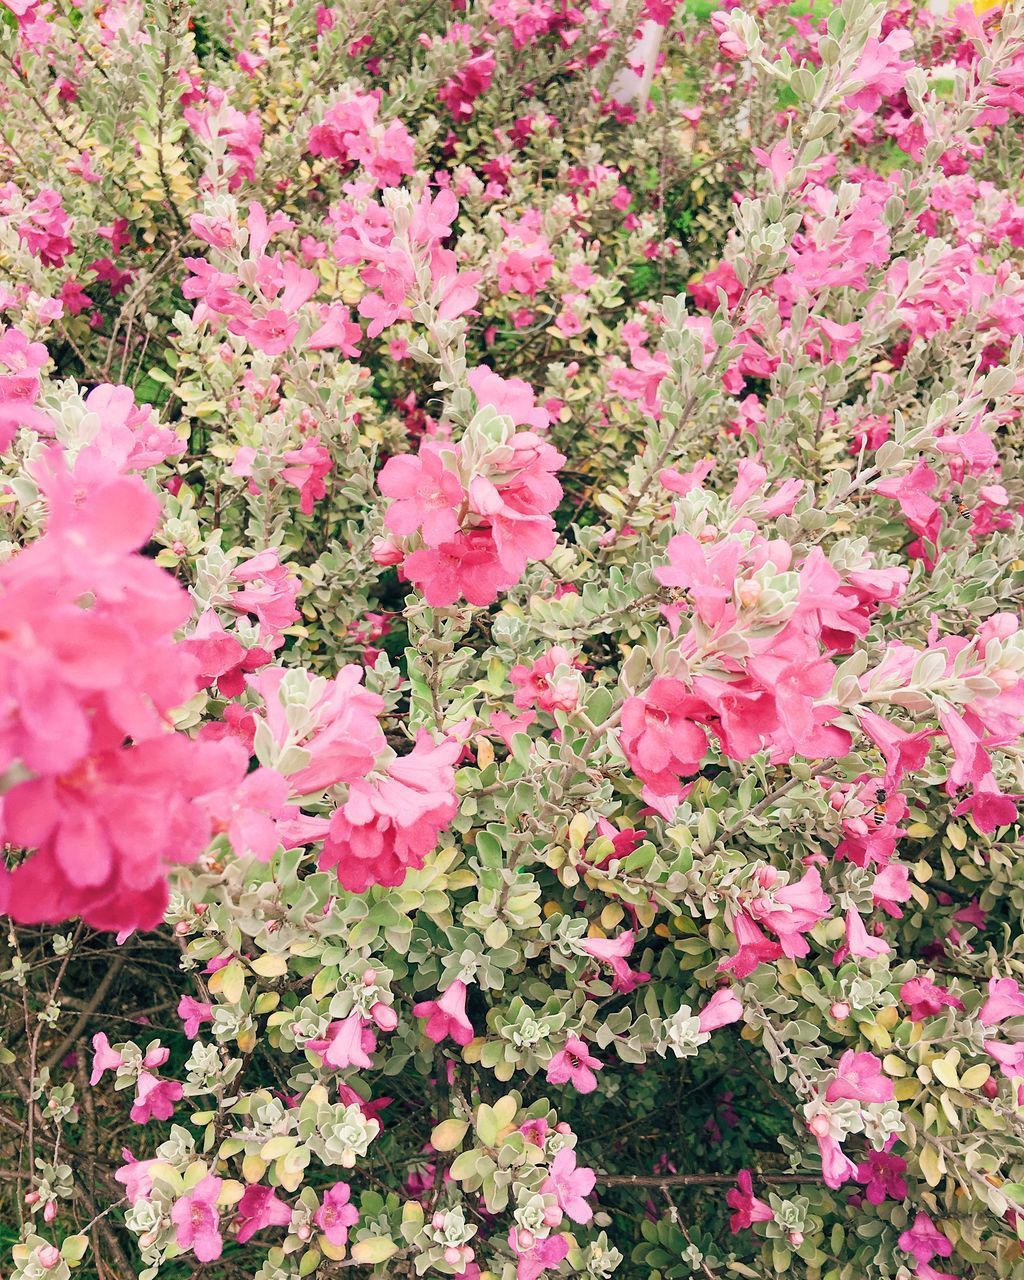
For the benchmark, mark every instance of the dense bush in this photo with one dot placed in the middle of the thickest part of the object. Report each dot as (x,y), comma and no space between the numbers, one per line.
(511,682)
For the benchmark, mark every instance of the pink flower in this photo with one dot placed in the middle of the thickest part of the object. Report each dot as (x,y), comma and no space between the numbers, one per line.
(533,1256)
(570,1186)
(342,737)
(198,1220)
(154,1098)
(446,1016)
(924,1240)
(347,1043)
(1009,1056)
(859,1076)
(305,469)
(335,1215)
(858,943)
(612,951)
(723,1008)
(1005,1000)
(467,566)
(880,72)
(748,1209)
(427,495)
(461,91)
(792,910)
(836,1168)
(193,1013)
(661,737)
(753,948)
(351,133)
(729,42)
(891,888)
(104,1057)
(268,592)
(247,811)
(512,397)
(926,998)
(903,752)
(574,1065)
(391,821)
(259,1207)
(537,687)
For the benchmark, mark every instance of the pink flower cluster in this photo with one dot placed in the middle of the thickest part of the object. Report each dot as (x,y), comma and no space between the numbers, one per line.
(760,673)
(351,133)
(265,310)
(196,1215)
(42,224)
(390,810)
(468,520)
(393,265)
(98,785)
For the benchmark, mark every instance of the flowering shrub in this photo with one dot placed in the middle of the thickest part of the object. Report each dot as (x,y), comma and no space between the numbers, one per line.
(511,675)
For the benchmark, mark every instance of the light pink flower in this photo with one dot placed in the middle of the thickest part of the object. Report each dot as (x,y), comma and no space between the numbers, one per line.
(723,1008)
(104,1058)
(197,1219)
(347,1043)
(574,1065)
(1005,1000)
(859,1076)
(335,1214)
(570,1185)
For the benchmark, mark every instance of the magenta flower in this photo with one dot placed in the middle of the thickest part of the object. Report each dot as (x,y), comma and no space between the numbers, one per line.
(336,1214)
(198,1220)
(881,1176)
(570,1185)
(446,1016)
(924,1240)
(748,1209)
(193,1013)
(754,947)
(259,1207)
(926,998)
(574,1065)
